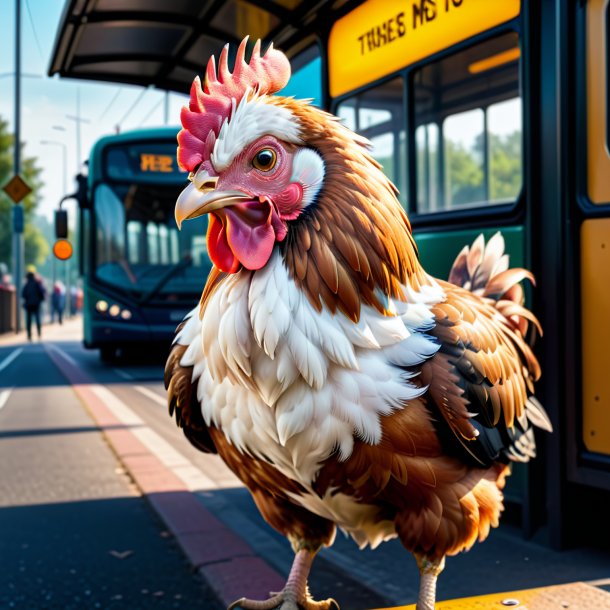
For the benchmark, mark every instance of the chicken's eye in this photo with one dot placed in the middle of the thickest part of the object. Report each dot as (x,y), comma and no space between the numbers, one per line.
(265,160)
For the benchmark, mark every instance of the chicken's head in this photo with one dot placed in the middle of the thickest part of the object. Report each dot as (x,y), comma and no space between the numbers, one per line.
(248,166)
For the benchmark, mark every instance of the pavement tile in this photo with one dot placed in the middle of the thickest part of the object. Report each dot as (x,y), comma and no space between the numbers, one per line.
(183,513)
(242,576)
(124,443)
(213,546)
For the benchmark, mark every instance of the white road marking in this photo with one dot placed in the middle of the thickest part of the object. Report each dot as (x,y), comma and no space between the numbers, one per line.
(182,467)
(152,395)
(63,354)
(4,396)
(10,358)
(123,374)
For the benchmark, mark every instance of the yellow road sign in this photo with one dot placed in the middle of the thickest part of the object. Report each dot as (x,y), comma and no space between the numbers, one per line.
(17,188)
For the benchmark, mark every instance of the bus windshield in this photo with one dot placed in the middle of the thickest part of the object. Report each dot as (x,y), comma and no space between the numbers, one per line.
(138,246)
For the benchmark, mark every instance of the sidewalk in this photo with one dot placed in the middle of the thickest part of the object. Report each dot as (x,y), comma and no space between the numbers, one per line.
(70,330)
(226,562)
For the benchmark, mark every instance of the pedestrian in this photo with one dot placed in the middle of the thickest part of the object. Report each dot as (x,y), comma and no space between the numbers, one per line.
(33,294)
(58,301)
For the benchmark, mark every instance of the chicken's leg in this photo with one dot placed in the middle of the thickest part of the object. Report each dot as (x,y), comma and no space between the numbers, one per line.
(295,595)
(429,569)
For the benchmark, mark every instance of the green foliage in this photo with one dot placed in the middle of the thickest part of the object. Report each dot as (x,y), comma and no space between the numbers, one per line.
(505,171)
(464,172)
(36,246)
(464,179)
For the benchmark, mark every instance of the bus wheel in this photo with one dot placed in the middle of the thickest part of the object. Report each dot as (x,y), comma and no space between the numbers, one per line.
(107,353)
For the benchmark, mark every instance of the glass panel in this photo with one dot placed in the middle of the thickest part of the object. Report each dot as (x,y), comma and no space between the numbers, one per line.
(379,115)
(152,235)
(138,243)
(470,103)
(134,237)
(426,143)
(504,125)
(347,113)
(463,147)
(306,79)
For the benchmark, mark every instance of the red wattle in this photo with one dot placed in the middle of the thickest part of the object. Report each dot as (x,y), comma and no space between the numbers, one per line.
(244,234)
(218,247)
(250,236)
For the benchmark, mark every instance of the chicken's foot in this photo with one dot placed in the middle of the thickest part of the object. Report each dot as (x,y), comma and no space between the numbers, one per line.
(429,569)
(295,595)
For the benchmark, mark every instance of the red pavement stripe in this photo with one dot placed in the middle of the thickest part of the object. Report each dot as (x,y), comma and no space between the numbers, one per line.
(224,560)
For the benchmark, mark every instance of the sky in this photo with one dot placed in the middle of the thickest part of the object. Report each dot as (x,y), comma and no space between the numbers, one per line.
(46,101)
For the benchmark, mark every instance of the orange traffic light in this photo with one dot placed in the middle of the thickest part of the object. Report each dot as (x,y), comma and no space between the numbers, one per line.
(62,249)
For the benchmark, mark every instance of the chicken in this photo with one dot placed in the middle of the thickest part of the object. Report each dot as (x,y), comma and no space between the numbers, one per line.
(339,381)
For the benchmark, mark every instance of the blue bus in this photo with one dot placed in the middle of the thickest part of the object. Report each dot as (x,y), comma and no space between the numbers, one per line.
(140,274)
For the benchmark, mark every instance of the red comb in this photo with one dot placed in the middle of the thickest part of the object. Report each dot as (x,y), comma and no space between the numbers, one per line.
(210,106)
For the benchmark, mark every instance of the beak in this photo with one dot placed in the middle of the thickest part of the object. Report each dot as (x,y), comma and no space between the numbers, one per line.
(194,202)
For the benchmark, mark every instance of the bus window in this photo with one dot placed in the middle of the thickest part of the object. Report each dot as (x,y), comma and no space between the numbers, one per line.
(110,220)
(426,144)
(152,234)
(134,239)
(138,241)
(306,79)
(379,115)
(504,142)
(163,245)
(463,143)
(468,135)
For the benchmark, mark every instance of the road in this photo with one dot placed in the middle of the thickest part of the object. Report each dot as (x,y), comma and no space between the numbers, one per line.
(75,532)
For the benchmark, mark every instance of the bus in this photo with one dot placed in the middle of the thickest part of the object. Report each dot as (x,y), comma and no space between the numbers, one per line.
(140,274)
(487,116)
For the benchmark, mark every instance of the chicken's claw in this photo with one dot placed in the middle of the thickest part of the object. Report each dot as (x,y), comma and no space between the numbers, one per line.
(280,601)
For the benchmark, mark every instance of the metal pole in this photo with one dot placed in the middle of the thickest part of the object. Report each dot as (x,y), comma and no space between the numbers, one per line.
(166,108)
(78,120)
(64,150)
(78,158)
(18,237)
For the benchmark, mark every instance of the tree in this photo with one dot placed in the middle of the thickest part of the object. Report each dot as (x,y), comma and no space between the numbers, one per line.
(505,160)
(36,246)
(464,173)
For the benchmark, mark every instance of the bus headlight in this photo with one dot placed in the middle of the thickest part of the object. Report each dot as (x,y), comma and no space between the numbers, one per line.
(126,314)
(102,306)
(114,310)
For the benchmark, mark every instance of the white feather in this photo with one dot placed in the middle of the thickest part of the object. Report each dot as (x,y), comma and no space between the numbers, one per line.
(308,170)
(250,120)
(293,385)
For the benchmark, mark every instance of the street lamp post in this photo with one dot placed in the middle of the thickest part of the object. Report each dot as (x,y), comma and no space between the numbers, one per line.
(78,120)
(18,237)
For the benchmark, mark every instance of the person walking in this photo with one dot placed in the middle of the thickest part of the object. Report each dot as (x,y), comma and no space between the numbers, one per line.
(33,294)
(58,301)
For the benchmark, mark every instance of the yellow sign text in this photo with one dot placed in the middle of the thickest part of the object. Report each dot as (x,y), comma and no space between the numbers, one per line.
(382,36)
(156,163)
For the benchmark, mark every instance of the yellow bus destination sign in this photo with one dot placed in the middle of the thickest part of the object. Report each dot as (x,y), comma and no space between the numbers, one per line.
(382,36)
(156,163)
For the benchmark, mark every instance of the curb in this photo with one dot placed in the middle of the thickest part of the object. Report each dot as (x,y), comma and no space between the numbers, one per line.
(223,559)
